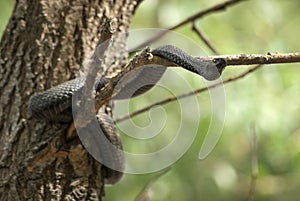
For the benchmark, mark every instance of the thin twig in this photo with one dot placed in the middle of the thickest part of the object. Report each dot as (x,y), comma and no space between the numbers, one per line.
(218,7)
(173,98)
(204,39)
(254,171)
(146,58)
(250,59)
(144,193)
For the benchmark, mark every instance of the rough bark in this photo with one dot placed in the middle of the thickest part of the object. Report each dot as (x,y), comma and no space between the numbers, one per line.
(44,44)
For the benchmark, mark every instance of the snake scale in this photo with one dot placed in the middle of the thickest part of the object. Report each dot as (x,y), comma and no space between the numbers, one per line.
(55,104)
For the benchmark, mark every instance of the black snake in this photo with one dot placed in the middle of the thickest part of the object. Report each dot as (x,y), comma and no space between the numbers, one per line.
(55,104)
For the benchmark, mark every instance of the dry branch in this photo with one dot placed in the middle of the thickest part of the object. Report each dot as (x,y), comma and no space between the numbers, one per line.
(207,42)
(254,168)
(146,58)
(218,7)
(269,58)
(173,98)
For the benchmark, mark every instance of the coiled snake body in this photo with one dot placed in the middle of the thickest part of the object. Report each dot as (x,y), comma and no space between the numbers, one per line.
(55,104)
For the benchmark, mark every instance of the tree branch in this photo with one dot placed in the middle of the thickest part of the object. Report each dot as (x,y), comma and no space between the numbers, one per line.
(254,168)
(250,59)
(218,7)
(146,58)
(173,98)
(144,194)
(204,39)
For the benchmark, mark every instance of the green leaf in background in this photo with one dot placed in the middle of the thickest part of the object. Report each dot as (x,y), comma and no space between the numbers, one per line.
(6,10)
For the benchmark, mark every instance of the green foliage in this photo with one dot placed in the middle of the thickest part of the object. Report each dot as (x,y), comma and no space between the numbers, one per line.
(6,9)
(268,98)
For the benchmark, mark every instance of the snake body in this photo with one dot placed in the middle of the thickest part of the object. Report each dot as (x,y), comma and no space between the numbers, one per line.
(55,104)
(210,70)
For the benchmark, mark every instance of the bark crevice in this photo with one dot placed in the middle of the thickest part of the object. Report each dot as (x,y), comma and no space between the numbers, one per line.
(44,44)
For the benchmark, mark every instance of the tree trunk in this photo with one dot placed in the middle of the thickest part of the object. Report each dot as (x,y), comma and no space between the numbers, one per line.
(43,45)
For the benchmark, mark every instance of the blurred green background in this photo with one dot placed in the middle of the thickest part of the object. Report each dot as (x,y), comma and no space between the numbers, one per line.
(267,99)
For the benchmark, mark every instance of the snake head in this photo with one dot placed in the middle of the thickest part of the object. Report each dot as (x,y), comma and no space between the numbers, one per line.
(209,69)
(214,69)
